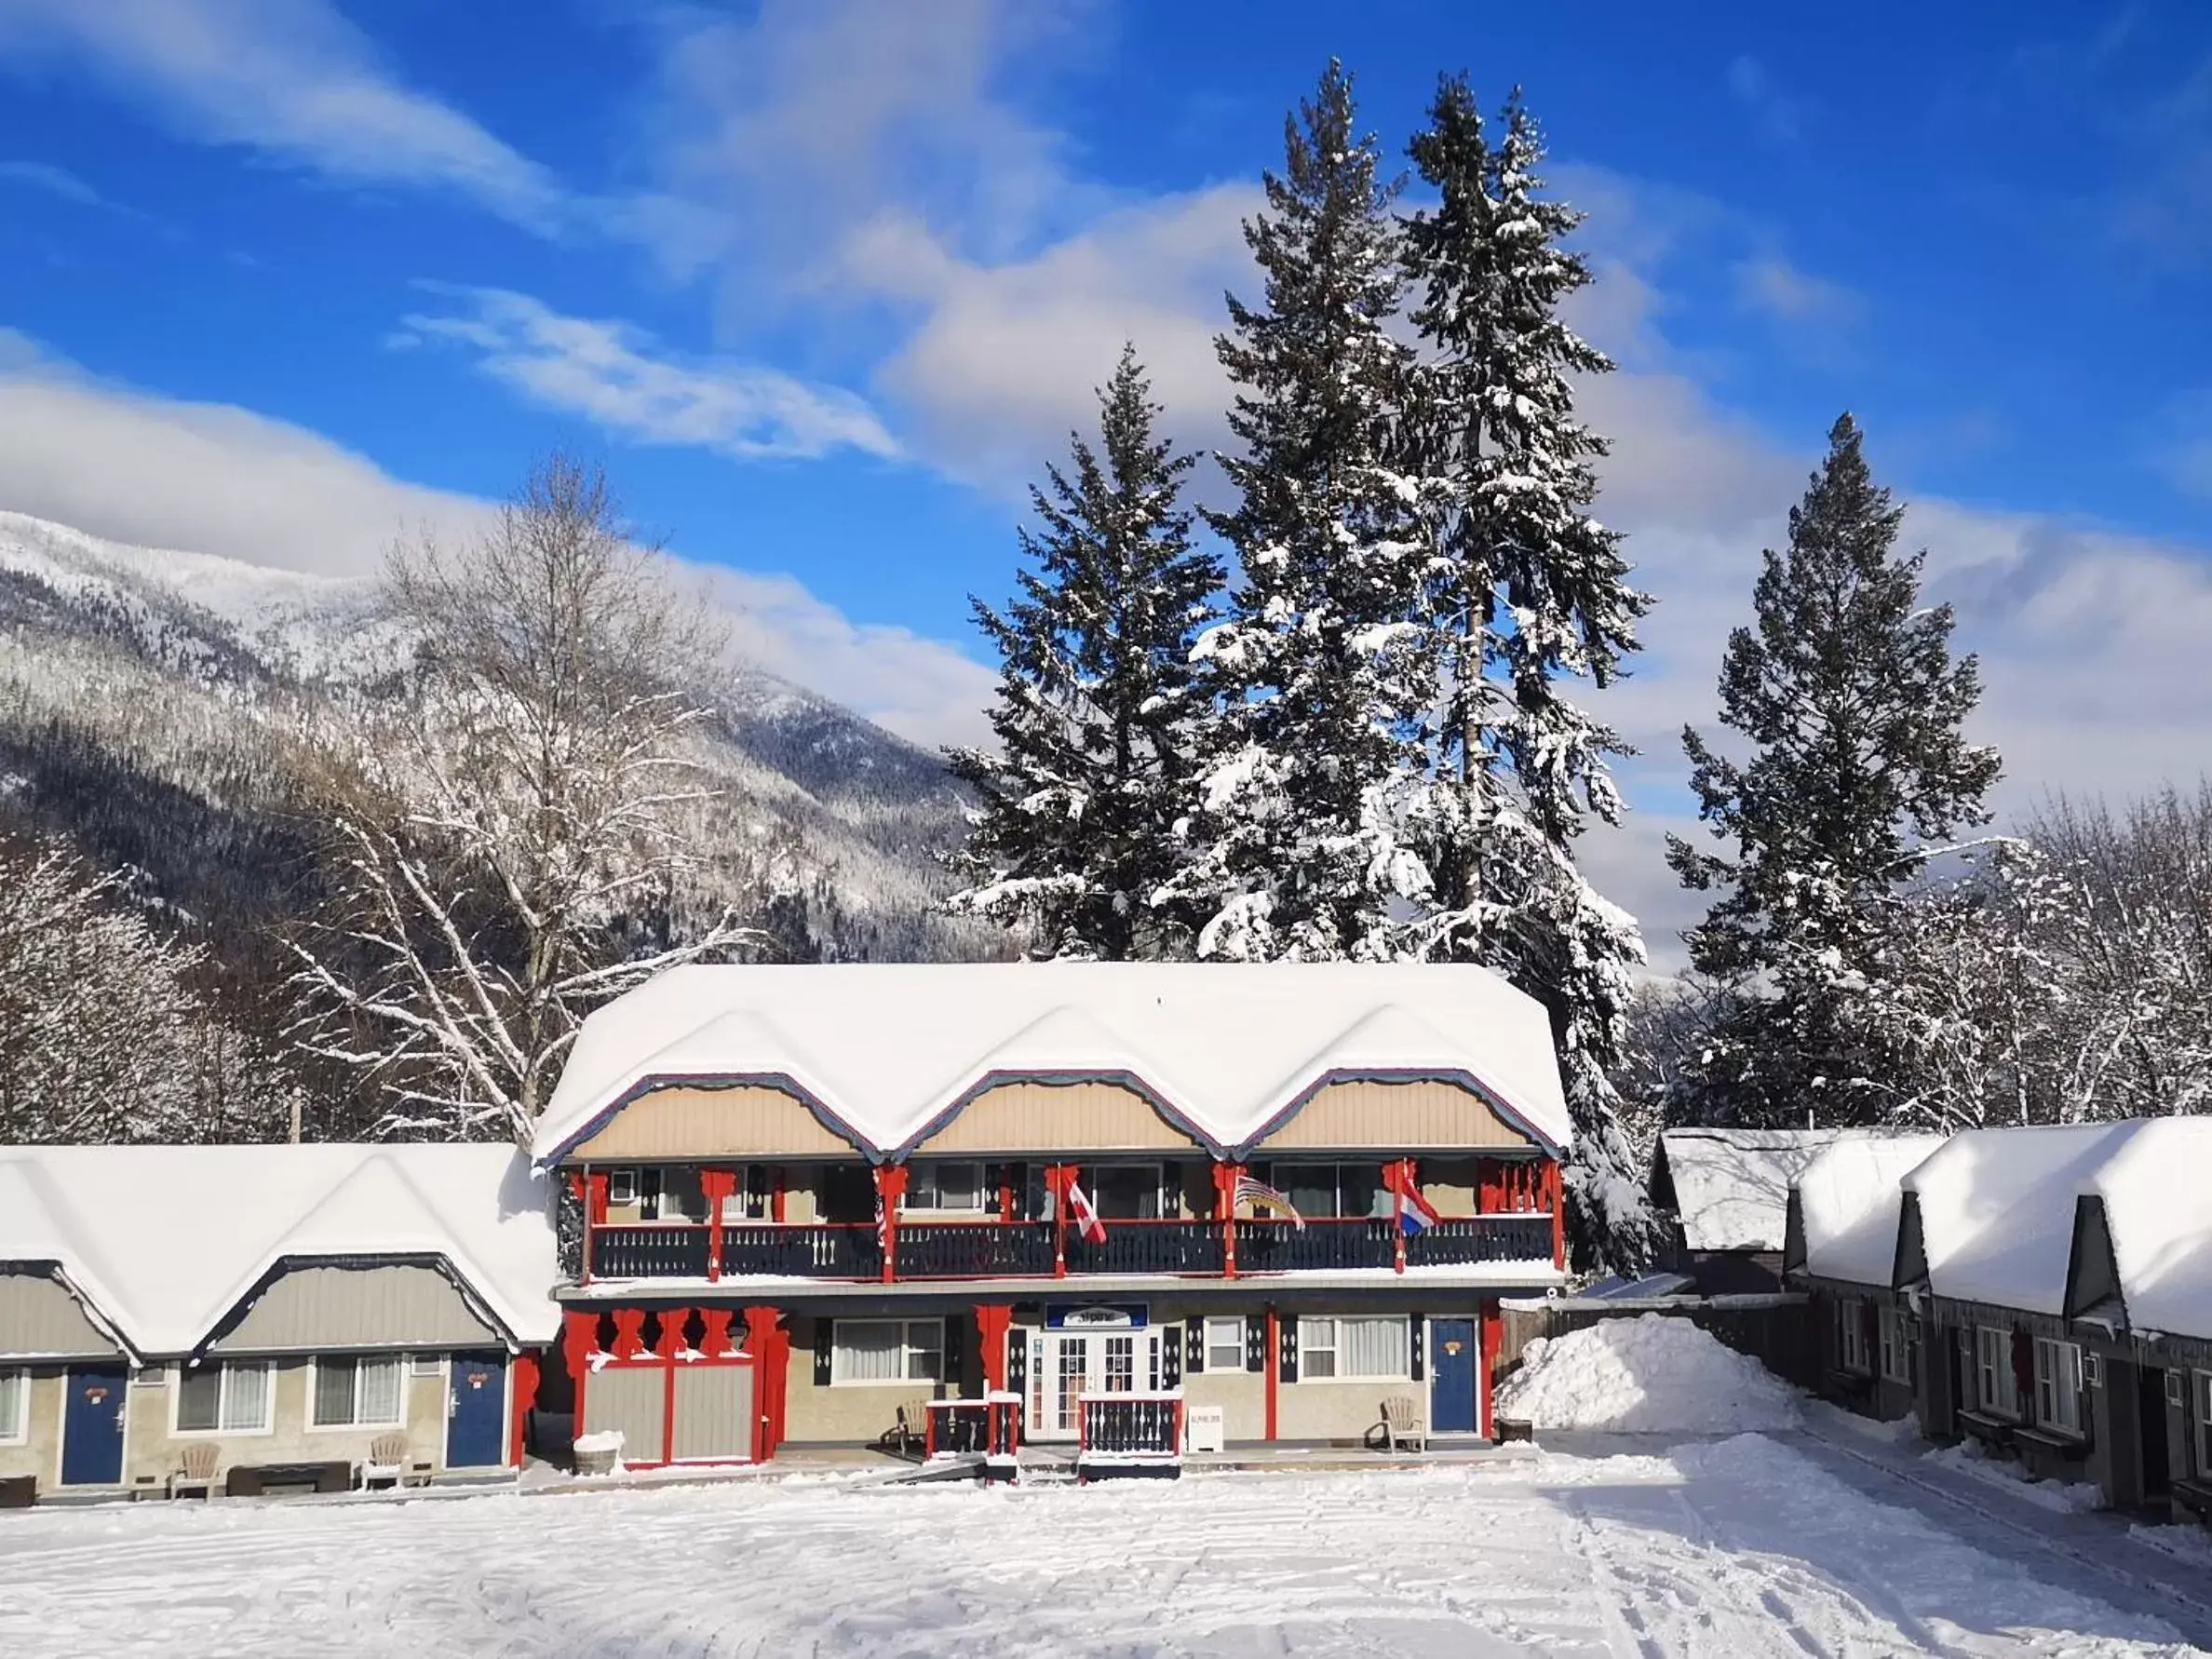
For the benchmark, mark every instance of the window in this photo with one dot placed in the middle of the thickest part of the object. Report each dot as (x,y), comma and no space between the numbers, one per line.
(1378,1348)
(363,1393)
(954,1187)
(1996,1387)
(887,1351)
(622,1188)
(1896,1346)
(425,1365)
(1323,1190)
(752,1197)
(224,1397)
(1851,1335)
(2204,1423)
(1128,1191)
(2058,1384)
(15,1401)
(1225,1343)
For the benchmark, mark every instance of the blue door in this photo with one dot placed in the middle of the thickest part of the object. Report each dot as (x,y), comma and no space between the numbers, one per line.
(1454,1356)
(476,1411)
(92,1425)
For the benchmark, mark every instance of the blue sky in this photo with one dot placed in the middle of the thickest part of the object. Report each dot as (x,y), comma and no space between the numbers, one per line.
(826,283)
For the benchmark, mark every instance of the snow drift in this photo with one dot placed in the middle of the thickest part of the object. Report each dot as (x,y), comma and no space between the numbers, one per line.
(1655,1374)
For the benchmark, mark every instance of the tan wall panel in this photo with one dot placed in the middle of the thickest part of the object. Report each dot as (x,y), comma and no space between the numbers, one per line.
(39,1455)
(714,1123)
(1057,1117)
(714,1412)
(330,1308)
(151,1449)
(1333,1410)
(39,1315)
(633,1399)
(1241,1394)
(1394,1117)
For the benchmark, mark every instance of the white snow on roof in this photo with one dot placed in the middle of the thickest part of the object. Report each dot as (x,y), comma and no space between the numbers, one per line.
(1997,1210)
(2155,1180)
(1848,1203)
(1731,1186)
(888,1047)
(165,1241)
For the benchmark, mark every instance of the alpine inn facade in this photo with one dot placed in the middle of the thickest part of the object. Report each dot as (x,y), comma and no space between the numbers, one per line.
(800,1200)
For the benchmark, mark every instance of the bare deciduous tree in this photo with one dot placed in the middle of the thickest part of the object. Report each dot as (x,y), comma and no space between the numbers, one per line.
(510,838)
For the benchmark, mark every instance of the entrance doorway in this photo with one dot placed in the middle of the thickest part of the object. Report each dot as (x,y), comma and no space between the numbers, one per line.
(1086,1351)
(1455,1358)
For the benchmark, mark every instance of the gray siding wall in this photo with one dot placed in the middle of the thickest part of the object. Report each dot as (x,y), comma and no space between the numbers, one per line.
(635,1401)
(333,1309)
(39,1316)
(714,1412)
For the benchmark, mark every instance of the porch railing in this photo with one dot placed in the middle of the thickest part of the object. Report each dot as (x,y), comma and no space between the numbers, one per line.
(654,1252)
(1147,1246)
(1129,1432)
(1471,1240)
(975,1251)
(807,1250)
(1320,1246)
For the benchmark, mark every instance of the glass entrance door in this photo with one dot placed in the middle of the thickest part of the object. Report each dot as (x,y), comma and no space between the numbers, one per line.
(1066,1365)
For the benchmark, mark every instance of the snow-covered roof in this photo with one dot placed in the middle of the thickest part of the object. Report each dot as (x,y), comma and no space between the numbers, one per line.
(1997,1210)
(1849,1198)
(1731,1186)
(885,1050)
(2153,1179)
(165,1241)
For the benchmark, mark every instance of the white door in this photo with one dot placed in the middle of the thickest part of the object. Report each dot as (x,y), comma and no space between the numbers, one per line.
(1065,1365)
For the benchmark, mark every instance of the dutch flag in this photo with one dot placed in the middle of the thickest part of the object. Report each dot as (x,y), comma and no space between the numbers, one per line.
(1416,1214)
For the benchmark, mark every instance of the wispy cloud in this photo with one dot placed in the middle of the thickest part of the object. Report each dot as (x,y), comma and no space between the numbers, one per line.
(1752,84)
(623,380)
(1771,284)
(54,181)
(290,78)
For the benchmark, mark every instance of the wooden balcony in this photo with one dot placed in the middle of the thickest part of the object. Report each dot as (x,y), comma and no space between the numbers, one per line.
(954,1250)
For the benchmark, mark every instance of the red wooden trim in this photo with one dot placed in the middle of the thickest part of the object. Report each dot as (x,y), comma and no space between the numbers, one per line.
(775,1195)
(1556,1192)
(717,1344)
(1058,1178)
(715,1185)
(629,1332)
(1225,1179)
(992,1319)
(769,1344)
(891,1185)
(525,1395)
(1275,1368)
(668,1414)
(1489,1337)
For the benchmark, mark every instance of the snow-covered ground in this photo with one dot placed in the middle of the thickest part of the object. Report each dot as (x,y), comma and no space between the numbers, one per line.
(1744,1546)
(1648,1375)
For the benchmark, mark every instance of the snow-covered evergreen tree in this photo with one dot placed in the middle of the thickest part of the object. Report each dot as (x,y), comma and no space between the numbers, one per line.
(1848,692)
(1314,758)
(1529,595)
(1096,702)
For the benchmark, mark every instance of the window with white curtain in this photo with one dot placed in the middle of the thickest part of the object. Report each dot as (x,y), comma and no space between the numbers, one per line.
(226,1397)
(2058,1384)
(15,1399)
(1851,1335)
(1997,1388)
(1225,1343)
(887,1351)
(1896,1354)
(1369,1347)
(363,1393)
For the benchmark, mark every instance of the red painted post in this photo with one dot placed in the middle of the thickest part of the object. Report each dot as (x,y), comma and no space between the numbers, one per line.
(579,1339)
(1490,1334)
(1058,1178)
(769,1344)
(1275,1368)
(992,1319)
(1404,1185)
(776,1196)
(1556,1190)
(1226,1175)
(716,1344)
(629,1332)
(525,1392)
(715,1185)
(891,1185)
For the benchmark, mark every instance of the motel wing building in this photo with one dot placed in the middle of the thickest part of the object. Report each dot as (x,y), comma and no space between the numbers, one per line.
(802,1200)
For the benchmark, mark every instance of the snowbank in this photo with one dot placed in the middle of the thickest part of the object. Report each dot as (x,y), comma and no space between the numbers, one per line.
(1656,1374)
(2075,1497)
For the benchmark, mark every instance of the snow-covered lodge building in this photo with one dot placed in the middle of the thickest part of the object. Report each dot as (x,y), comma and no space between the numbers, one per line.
(1724,1194)
(293,1313)
(803,1199)
(2046,1291)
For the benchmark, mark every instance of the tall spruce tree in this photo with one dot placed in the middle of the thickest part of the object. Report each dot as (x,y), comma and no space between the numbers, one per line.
(1316,676)
(1076,832)
(1847,690)
(1530,594)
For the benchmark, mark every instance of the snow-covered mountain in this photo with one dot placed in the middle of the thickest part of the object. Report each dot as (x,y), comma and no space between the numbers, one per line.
(146,711)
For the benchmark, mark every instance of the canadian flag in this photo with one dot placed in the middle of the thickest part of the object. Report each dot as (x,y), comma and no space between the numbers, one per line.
(1086,1214)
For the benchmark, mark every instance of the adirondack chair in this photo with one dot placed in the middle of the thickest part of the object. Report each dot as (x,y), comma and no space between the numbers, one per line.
(386,1461)
(1403,1425)
(912,1431)
(198,1462)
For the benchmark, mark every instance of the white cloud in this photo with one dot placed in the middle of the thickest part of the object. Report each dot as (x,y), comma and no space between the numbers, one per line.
(209,477)
(1753,85)
(291,78)
(620,378)
(54,181)
(1772,284)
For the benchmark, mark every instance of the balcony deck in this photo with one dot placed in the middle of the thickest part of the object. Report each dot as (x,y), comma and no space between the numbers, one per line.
(957,1251)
